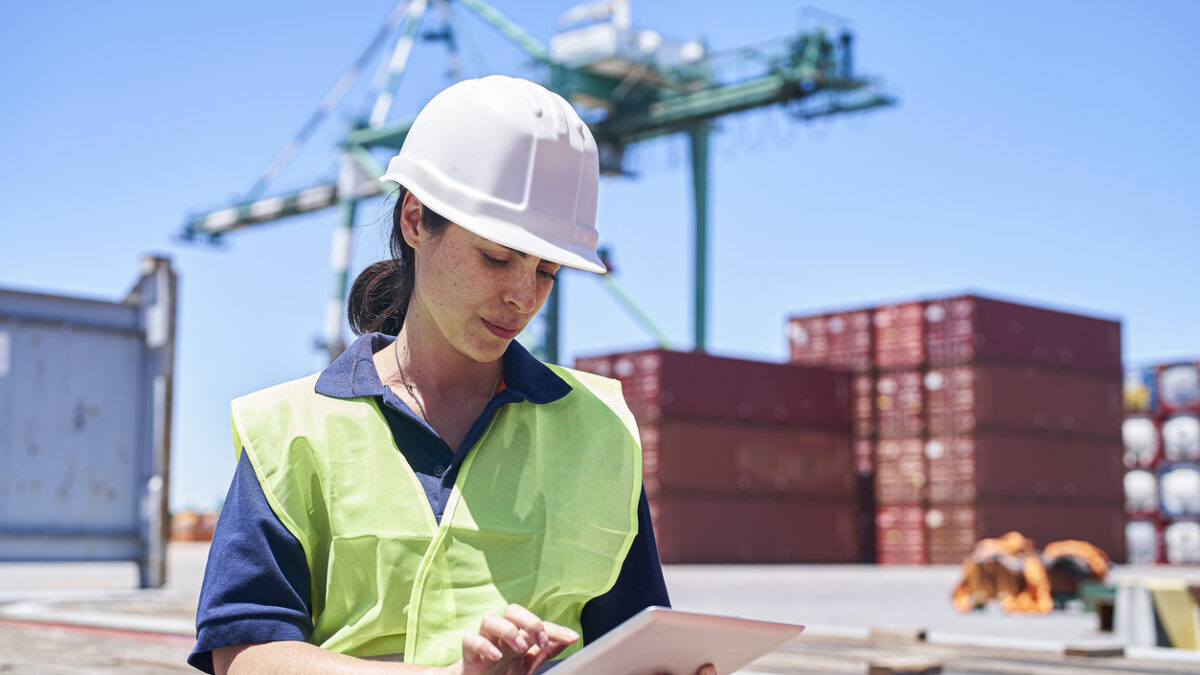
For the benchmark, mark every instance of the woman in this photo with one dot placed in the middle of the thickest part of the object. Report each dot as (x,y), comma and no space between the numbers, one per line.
(441,497)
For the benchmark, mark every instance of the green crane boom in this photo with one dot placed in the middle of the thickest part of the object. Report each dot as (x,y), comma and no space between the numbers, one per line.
(635,99)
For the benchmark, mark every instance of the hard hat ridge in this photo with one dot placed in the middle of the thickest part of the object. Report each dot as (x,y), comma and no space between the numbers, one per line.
(510,161)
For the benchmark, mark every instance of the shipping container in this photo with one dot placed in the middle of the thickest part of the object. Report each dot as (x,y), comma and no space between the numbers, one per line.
(1140,390)
(85,424)
(864,456)
(685,456)
(900,336)
(1144,542)
(1179,490)
(661,383)
(1181,438)
(732,529)
(971,329)
(1004,464)
(899,404)
(863,404)
(965,398)
(1182,542)
(1179,387)
(900,535)
(1043,520)
(899,471)
(1140,437)
(841,340)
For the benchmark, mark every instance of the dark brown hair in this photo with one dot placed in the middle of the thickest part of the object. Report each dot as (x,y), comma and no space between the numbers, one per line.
(379,297)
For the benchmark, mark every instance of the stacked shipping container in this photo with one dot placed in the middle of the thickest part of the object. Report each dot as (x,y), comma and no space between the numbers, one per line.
(974,417)
(1161,434)
(743,461)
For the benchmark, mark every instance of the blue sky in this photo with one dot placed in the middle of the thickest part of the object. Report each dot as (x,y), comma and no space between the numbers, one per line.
(1043,152)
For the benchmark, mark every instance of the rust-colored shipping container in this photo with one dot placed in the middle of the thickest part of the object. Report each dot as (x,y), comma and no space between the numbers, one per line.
(970,329)
(899,404)
(682,455)
(864,456)
(661,383)
(899,471)
(900,335)
(900,535)
(841,340)
(734,529)
(963,399)
(862,404)
(953,530)
(999,464)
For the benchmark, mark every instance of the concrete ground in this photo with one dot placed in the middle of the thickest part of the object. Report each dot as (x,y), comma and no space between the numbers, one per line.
(51,612)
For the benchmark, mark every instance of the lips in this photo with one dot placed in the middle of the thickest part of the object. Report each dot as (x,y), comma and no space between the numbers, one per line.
(500,331)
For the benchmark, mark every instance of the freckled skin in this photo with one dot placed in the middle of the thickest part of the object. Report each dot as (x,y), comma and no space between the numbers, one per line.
(464,280)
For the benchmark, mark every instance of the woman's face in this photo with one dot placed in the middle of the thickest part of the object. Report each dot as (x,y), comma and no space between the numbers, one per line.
(478,295)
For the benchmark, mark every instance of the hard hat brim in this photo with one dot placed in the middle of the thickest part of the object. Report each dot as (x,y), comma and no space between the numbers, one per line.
(506,233)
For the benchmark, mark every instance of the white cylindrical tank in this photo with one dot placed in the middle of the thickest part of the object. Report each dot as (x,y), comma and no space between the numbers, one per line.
(1141,491)
(1141,543)
(1180,489)
(1181,438)
(1179,386)
(1183,542)
(1141,441)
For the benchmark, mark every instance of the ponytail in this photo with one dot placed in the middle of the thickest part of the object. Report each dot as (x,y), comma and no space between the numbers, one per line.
(379,296)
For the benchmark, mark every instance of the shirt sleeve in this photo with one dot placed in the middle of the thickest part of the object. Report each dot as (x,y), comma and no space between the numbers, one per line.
(257,586)
(639,585)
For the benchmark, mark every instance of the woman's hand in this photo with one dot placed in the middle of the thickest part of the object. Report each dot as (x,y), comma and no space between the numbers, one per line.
(517,643)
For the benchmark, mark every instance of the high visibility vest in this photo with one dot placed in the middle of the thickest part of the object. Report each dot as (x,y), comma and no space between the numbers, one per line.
(542,513)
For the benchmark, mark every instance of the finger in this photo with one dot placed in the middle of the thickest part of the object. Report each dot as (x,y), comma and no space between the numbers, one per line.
(502,631)
(527,621)
(707,669)
(478,649)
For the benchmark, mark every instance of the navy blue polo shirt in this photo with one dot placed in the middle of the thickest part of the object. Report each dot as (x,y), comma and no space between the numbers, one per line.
(257,584)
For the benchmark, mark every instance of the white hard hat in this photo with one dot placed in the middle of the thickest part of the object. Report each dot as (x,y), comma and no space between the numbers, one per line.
(510,161)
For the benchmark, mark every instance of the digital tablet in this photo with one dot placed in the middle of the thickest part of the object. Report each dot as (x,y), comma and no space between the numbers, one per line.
(661,640)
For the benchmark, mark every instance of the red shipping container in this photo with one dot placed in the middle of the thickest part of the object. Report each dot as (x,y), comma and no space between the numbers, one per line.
(900,535)
(900,335)
(899,471)
(739,530)
(899,404)
(700,456)
(951,533)
(970,329)
(965,398)
(1043,520)
(841,340)
(864,456)
(661,383)
(998,464)
(863,404)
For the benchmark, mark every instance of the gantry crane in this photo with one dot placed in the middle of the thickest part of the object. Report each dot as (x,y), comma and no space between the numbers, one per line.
(631,86)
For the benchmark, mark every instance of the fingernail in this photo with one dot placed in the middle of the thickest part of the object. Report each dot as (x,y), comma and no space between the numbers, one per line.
(520,643)
(495,654)
(573,635)
(543,639)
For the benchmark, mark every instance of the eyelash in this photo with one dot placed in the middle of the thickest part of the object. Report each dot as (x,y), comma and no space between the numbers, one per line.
(498,263)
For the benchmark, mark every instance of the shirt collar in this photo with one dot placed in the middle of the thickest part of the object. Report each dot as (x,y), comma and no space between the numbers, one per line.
(353,373)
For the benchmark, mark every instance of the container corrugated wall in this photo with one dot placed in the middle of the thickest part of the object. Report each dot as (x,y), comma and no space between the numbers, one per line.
(974,414)
(743,461)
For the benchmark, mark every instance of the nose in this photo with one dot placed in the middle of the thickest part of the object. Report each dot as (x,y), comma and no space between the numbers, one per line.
(521,292)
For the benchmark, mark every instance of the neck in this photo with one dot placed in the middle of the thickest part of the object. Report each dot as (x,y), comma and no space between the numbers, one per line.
(435,367)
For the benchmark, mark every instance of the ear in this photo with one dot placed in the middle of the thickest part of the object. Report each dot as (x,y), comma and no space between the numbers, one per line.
(410,222)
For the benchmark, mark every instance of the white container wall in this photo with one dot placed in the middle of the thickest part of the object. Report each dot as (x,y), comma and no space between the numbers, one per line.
(1180,489)
(1141,441)
(1179,386)
(1141,491)
(1181,438)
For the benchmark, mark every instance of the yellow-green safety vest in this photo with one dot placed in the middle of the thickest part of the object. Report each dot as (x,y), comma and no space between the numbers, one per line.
(542,513)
